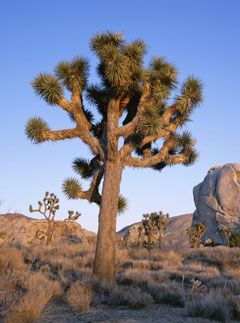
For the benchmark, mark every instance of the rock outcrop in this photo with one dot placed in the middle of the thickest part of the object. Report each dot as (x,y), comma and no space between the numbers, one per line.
(174,237)
(217,201)
(19,228)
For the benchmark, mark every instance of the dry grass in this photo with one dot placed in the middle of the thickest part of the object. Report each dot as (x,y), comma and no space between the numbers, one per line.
(80,297)
(131,296)
(38,274)
(39,292)
(169,293)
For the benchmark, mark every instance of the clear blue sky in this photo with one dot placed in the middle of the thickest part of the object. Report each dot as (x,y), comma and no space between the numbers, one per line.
(200,37)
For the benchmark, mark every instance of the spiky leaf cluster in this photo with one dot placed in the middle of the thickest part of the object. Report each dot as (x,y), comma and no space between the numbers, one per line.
(122,204)
(48,87)
(71,188)
(35,128)
(83,167)
(151,122)
(73,74)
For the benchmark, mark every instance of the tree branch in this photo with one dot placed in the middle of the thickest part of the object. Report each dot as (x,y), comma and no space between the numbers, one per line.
(129,128)
(92,194)
(161,156)
(55,135)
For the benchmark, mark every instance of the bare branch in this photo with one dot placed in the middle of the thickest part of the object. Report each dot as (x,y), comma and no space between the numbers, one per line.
(55,135)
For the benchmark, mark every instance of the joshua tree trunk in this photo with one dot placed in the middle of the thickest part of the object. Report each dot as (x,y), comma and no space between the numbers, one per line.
(104,263)
(50,231)
(160,240)
(150,241)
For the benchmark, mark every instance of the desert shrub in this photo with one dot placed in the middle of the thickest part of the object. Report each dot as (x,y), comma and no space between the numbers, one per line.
(232,273)
(235,302)
(198,269)
(135,277)
(39,292)
(127,264)
(155,265)
(212,306)
(80,297)
(220,257)
(129,296)
(12,259)
(231,285)
(171,259)
(121,255)
(168,293)
(159,276)
(138,253)
(234,240)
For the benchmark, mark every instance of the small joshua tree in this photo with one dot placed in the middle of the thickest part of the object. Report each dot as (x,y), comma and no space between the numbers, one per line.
(140,112)
(195,233)
(72,216)
(152,224)
(48,208)
(140,235)
(161,222)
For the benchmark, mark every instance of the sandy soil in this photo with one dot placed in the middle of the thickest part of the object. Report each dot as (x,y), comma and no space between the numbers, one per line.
(60,312)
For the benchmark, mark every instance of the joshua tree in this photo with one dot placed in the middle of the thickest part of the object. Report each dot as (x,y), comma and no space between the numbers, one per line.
(161,222)
(149,227)
(72,216)
(154,224)
(140,235)
(136,125)
(48,208)
(195,233)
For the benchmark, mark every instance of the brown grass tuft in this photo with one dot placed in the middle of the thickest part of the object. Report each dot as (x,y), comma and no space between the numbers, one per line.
(80,297)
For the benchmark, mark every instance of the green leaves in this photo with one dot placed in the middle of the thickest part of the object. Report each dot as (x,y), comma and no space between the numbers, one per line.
(151,122)
(102,39)
(115,67)
(192,90)
(48,88)
(122,204)
(35,128)
(71,187)
(135,51)
(73,74)
(83,167)
(192,157)
(163,71)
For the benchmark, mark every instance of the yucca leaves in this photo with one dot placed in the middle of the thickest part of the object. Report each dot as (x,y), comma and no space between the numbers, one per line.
(71,187)
(162,70)
(192,90)
(122,204)
(151,122)
(192,157)
(83,167)
(34,129)
(73,74)
(48,88)
(102,39)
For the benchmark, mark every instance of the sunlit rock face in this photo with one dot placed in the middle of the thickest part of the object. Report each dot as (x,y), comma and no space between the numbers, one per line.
(217,201)
(25,230)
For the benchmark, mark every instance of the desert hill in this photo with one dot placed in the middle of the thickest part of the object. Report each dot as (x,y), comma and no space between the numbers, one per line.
(20,228)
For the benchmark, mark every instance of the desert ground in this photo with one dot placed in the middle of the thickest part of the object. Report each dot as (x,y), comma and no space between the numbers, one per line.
(54,283)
